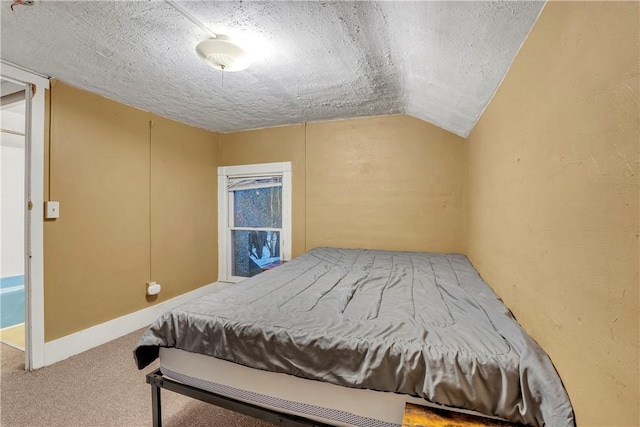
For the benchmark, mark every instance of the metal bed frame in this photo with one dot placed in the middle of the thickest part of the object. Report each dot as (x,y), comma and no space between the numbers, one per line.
(159,382)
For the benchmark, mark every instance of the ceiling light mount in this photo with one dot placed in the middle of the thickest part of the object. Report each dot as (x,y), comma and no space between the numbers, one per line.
(223,54)
(219,51)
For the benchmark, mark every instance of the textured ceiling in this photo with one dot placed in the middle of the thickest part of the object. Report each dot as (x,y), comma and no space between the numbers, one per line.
(438,61)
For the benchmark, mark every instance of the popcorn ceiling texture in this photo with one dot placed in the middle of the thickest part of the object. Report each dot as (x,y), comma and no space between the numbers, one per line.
(438,61)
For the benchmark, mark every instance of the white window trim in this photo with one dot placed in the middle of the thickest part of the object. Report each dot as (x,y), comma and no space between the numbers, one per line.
(224,235)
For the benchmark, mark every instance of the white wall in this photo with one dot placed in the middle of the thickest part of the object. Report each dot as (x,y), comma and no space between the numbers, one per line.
(12,202)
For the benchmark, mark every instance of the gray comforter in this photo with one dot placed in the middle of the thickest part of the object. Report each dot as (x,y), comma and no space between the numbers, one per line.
(416,323)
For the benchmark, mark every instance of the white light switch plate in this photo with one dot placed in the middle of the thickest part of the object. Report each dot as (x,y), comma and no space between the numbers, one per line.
(52,210)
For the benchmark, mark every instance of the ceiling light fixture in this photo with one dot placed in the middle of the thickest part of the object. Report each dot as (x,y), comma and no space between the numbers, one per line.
(219,51)
(223,54)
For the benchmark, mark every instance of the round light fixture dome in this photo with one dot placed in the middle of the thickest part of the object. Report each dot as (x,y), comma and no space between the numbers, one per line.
(223,54)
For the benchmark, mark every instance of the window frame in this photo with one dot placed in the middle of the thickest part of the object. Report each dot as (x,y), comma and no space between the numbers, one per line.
(225,249)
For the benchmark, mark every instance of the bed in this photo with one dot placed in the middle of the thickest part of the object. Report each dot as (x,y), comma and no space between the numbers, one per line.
(406,326)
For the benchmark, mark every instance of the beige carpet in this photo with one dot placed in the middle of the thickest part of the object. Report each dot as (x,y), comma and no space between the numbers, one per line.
(101,387)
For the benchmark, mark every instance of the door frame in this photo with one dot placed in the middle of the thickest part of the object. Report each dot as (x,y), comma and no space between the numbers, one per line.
(34,217)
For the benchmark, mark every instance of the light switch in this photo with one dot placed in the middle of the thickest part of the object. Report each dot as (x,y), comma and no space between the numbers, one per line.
(52,210)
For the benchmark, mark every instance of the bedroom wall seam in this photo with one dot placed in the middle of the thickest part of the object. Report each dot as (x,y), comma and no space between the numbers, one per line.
(304,147)
(150,199)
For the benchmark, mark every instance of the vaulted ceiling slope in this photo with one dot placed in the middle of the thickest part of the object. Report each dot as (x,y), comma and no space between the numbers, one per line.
(438,61)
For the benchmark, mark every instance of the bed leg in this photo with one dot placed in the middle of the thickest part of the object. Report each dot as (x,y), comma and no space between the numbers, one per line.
(154,379)
(156,406)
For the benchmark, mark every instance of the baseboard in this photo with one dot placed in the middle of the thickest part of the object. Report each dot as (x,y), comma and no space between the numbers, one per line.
(70,345)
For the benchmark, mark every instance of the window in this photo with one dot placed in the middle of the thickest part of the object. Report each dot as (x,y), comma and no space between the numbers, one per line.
(254,220)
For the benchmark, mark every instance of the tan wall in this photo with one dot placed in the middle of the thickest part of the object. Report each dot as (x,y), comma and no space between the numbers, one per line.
(98,253)
(184,207)
(391,182)
(553,215)
(279,144)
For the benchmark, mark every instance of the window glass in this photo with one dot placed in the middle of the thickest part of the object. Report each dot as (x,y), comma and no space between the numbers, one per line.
(254,251)
(259,207)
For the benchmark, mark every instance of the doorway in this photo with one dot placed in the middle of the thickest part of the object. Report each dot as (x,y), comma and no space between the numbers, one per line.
(33,92)
(13,212)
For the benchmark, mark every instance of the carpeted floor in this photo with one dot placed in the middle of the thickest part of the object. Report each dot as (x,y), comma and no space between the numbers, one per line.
(101,387)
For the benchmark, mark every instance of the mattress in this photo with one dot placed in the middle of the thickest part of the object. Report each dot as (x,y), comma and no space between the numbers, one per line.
(419,324)
(315,400)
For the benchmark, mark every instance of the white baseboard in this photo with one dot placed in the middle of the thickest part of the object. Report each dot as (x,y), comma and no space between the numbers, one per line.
(70,345)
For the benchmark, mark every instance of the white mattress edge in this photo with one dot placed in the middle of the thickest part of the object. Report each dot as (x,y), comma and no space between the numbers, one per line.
(194,369)
(288,393)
